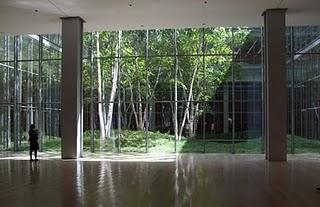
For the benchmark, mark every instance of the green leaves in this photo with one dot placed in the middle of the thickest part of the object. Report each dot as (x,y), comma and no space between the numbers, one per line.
(147,58)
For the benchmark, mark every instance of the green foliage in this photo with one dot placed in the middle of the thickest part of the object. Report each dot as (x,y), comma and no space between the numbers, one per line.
(135,141)
(137,68)
(303,145)
(52,145)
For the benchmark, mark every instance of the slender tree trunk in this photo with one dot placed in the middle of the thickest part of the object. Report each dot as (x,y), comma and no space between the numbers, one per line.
(115,71)
(176,88)
(186,114)
(196,118)
(191,119)
(100,104)
(7,82)
(133,106)
(20,91)
(188,103)
(29,118)
(151,104)
(125,109)
(140,110)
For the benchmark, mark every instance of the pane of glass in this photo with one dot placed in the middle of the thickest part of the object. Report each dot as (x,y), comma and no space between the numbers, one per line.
(27,80)
(134,43)
(51,127)
(307,104)
(5,138)
(248,94)
(161,78)
(189,41)
(87,47)
(218,40)
(51,76)
(161,42)
(29,47)
(52,46)
(105,78)
(306,39)
(6,47)
(107,43)
(6,68)
(218,129)
(161,138)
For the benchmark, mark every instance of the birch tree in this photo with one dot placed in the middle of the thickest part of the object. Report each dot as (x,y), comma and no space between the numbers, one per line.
(115,74)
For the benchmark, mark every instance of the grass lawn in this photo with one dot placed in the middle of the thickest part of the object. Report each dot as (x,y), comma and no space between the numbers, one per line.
(134,141)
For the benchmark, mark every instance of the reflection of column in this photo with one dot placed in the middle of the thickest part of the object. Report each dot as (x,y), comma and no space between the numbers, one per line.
(275,84)
(80,183)
(279,176)
(226,108)
(71,175)
(71,87)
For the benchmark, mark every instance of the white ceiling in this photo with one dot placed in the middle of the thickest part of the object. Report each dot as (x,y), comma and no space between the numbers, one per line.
(19,16)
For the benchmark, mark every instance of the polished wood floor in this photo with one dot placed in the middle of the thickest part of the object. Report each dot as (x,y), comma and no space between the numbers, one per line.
(160,180)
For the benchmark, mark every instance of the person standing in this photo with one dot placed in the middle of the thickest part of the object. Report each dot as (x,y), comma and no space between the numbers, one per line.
(33,141)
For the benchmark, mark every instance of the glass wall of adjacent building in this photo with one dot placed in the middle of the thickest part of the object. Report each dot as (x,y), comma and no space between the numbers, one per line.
(303,67)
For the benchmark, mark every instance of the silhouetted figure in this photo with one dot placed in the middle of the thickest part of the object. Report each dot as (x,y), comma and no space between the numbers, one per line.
(33,140)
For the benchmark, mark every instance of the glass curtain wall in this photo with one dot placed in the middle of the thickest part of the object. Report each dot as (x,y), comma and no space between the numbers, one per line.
(30,89)
(173,90)
(183,90)
(303,67)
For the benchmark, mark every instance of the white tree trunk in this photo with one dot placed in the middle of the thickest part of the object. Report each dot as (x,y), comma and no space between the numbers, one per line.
(100,104)
(133,106)
(176,128)
(115,71)
(188,103)
(140,110)
(30,86)
(191,120)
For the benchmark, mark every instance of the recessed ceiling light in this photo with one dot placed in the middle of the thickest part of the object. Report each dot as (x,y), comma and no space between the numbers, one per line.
(36,10)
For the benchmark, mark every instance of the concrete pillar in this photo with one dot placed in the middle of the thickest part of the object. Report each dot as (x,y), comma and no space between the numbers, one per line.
(275,96)
(71,87)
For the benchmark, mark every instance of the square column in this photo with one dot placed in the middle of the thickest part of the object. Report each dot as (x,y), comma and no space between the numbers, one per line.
(275,85)
(71,87)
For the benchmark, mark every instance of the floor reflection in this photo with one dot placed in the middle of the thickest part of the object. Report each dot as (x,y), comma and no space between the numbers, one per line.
(187,180)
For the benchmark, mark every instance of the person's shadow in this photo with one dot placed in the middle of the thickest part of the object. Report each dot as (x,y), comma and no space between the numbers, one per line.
(34,172)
